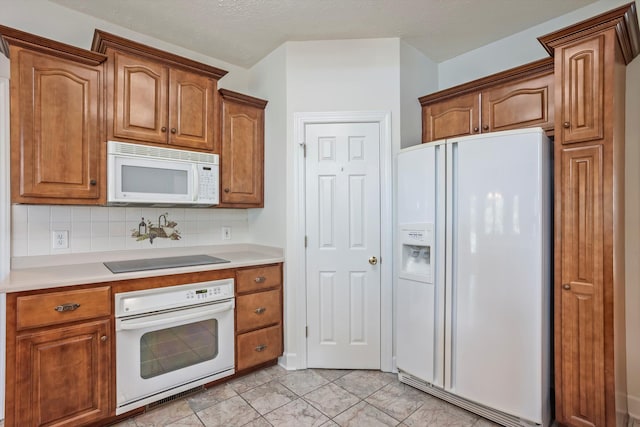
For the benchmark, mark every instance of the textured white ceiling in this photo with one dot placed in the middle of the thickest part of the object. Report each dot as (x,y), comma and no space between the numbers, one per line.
(242,32)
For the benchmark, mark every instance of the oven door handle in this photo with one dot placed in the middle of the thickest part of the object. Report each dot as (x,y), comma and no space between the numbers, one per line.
(133,324)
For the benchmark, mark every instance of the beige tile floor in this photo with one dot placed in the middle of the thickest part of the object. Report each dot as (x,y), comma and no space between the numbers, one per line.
(312,397)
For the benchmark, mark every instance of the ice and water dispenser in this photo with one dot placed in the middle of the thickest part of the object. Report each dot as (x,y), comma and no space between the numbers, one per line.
(417,252)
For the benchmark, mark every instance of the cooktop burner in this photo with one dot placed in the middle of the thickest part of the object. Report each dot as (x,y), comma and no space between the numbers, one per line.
(165,262)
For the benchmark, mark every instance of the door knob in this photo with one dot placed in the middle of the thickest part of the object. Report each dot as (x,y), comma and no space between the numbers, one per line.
(373,260)
(566,286)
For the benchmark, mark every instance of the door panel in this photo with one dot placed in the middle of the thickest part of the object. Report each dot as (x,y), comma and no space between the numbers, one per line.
(581,297)
(343,230)
(452,117)
(497,262)
(60,121)
(191,110)
(582,91)
(140,99)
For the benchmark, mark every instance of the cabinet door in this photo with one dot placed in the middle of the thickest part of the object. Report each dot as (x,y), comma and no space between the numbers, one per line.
(242,157)
(581,107)
(453,117)
(63,375)
(56,124)
(579,296)
(140,99)
(191,110)
(518,104)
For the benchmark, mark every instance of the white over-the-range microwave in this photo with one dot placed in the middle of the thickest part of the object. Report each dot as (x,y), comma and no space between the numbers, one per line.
(144,175)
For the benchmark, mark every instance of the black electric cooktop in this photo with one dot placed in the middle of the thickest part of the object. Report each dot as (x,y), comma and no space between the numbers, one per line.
(164,262)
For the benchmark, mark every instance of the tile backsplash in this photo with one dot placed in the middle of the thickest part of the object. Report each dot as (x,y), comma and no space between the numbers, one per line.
(96,229)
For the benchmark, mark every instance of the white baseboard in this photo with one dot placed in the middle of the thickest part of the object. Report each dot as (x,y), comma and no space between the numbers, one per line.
(633,403)
(288,361)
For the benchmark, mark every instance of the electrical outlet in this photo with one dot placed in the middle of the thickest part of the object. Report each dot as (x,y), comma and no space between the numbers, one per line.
(60,239)
(226,233)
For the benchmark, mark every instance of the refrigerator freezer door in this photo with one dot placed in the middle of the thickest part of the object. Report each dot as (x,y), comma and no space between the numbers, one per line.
(498,276)
(420,303)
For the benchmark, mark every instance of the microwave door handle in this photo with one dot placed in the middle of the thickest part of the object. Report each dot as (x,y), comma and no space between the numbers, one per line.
(196,182)
(133,324)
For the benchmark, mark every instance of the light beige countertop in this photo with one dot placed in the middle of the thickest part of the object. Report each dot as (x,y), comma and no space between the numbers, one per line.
(50,271)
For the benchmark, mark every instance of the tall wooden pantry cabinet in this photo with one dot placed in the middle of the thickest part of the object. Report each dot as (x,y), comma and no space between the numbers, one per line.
(589,322)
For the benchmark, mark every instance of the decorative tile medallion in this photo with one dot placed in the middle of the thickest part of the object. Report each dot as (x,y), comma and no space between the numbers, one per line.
(164,229)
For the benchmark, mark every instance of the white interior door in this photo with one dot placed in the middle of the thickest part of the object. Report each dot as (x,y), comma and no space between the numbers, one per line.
(343,234)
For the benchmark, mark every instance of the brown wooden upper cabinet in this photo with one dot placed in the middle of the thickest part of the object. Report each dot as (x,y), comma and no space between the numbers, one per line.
(242,152)
(157,97)
(56,121)
(517,98)
(581,103)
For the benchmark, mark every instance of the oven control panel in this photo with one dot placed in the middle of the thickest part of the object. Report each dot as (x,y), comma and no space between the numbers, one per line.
(208,293)
(150,300)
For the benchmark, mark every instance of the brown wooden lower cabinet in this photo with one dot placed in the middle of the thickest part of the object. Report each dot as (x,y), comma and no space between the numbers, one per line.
(61,347)
(257,347)
(259,336)
(62,375)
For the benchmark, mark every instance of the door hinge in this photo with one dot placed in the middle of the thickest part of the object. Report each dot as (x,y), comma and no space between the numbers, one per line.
(306,332)
(304,149)
(305,241)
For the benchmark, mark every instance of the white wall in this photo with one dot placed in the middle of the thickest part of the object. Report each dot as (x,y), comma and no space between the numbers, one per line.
(418,77)
(269,81)
(50,20)
(632,229)
(515,50)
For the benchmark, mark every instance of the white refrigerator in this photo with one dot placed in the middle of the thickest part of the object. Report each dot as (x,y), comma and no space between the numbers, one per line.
(473,278)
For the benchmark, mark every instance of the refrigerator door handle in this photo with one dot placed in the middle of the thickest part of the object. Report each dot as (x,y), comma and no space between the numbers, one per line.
(451,149)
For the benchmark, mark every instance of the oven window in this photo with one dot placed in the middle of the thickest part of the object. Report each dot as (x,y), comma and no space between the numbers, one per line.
(175,348)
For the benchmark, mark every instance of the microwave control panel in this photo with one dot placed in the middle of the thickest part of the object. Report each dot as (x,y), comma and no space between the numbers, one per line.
(208,183)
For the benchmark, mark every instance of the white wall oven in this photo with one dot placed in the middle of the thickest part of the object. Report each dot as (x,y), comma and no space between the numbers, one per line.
(172,339)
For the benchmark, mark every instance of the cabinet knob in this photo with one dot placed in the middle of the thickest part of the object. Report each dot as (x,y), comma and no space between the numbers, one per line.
(566,286)
(93,182)
(566,125)
(103,338)
(173,130)
(260,310)
(163,128)
(485,127)
(260,279)
(261,347)
(70,306)
(476,129)
(226,190)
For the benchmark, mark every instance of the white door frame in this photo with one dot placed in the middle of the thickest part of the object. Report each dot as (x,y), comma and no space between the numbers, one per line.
(383,119)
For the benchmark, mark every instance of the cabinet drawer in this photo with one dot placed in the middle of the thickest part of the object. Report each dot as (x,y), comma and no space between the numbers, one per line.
(258,310)
(255,279)
(259,346)
(60,307)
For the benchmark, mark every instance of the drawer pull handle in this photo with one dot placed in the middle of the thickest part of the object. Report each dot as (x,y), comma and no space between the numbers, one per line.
(260,279)
(71,306)
(261,347)
(260,310)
